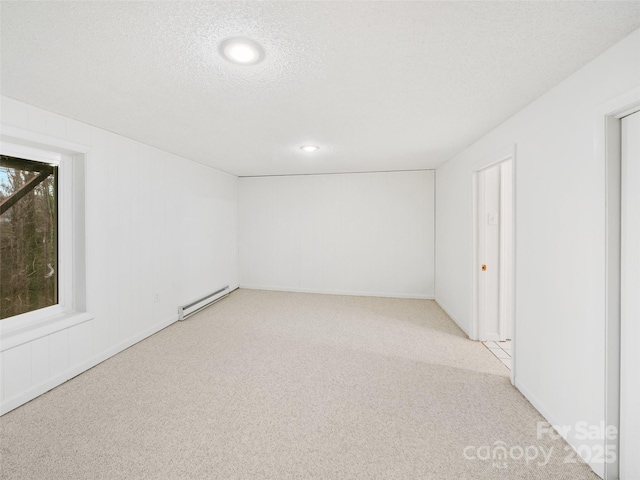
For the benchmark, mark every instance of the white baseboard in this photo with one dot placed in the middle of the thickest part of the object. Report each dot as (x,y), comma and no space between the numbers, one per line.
(338,292)
(448,312)
(37,390)
(598,468)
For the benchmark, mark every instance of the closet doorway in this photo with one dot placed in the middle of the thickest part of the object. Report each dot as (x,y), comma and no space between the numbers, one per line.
(494,257)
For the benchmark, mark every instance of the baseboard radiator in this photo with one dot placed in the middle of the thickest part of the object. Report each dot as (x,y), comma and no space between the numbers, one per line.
(186,311)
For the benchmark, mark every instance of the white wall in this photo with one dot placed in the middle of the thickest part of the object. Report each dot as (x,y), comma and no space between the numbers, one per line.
(560,234)
(360,234)
(156,224)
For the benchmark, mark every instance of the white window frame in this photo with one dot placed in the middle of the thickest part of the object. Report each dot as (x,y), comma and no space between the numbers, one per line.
(71,307)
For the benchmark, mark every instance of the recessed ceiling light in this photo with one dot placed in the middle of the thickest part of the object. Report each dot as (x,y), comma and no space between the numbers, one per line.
(309,148)
(241,50)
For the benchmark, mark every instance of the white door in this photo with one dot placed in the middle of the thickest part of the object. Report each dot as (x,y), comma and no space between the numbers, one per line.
(630,301)
(489,253)
(494,251)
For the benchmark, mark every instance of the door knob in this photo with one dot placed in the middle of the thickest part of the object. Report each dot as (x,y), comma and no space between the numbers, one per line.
(484,268)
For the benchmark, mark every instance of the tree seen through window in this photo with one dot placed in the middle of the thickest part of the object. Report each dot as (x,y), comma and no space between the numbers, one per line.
(28,236)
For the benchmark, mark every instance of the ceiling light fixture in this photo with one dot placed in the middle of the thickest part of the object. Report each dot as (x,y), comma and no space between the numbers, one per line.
(309,148)
(241,51)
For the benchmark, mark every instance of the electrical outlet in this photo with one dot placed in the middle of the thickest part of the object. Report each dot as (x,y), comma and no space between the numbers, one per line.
(156,298)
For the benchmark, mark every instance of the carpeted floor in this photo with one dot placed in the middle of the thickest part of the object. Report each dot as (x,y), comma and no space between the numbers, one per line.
(286,385)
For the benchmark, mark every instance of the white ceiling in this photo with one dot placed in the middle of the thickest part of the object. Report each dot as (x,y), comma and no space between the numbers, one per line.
(377,85)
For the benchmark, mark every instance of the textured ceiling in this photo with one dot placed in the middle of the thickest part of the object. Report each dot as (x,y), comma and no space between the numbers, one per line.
(378,85)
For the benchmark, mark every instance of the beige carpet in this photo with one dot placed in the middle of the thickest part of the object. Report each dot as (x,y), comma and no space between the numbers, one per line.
(283,385)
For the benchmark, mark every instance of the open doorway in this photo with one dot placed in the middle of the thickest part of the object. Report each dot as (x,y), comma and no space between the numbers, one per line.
(494,257)
(629,301)
(618,139)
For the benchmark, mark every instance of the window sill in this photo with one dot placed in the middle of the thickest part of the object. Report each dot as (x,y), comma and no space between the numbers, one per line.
(18,336)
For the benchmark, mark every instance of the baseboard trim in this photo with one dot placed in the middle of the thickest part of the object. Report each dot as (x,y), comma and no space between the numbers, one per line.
(37,390)
(338,292)
(448,312)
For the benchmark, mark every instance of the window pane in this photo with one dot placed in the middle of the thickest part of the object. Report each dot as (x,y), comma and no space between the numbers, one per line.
(28,236)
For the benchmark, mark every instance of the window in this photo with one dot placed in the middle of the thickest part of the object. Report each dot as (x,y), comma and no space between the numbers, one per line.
(29,154)
(28,235)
